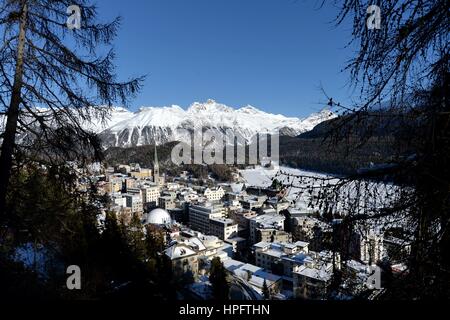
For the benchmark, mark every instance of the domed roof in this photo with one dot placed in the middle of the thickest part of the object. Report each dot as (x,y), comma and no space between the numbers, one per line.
(158,216)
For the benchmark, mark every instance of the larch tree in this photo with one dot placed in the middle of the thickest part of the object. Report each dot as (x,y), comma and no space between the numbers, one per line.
(401,71)
(57,76)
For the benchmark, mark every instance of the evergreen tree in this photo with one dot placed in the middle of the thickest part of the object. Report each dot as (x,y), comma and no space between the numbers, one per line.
(41,68)
(265,290)
(154,241)
(276,184)
(136,238)
(187,278)
(165,278)
(218,279)
(47,65)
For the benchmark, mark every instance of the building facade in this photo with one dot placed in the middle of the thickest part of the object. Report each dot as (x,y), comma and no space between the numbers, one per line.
(223,228)
(272,222)
(150,194)
(200,214)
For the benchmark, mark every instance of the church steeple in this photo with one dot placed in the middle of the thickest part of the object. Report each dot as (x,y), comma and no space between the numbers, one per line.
(156,168)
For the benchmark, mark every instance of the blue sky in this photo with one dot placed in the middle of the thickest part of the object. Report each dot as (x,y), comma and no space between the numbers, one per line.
(272,54)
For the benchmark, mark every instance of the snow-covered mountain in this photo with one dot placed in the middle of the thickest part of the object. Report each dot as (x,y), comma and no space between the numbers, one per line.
(159,125)
(149,125)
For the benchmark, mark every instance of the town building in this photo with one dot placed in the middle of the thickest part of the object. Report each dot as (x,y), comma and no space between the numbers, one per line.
(254,276)
(280,256)
(184,259)
(167,202)
(142,173)
(200,214)
(134,201)
(278,204)
(150,193)
(113,185)
(223,228)
(242,218)
(312,280)
(312,230)
(129,183)
(269,222)
(158,217)
(214,194)
(396,249)
(253,202)
(272,235)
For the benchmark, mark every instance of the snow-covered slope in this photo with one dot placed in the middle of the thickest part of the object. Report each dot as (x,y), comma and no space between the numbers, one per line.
(159,125)
(116,115)
(164,124)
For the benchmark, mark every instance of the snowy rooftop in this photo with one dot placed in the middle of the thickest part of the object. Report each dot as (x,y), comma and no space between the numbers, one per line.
(258,279)
(268,219)
(323,273)
(232,265)
(356,266)
(301,244)
(299,258)
(274,253)
(261,245)
(179,250)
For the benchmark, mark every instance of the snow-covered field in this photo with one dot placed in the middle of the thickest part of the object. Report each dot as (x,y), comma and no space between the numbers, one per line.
(354,197)
(262,177)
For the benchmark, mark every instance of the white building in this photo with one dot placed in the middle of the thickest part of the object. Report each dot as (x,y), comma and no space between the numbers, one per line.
(254,276)
(278,205)
(214,194)
(150,193)
(223,228)
(304,226)
(173,186)
(265,221)
(199,215)
(251,202)
(159,217)
(134,201)
(288,254)
(184,258)
(188,195)
(126,168)
(311,280)
(119,200)
(167,202)
(285,257)
(191,250)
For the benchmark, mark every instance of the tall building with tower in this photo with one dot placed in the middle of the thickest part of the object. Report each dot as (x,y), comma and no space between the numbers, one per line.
(157,179)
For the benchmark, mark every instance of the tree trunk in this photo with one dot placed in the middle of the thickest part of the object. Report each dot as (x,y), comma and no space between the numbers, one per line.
(7,149)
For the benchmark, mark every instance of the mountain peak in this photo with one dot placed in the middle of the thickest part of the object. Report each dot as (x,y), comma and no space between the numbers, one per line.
(249,109)
(158,125)
(315,118)
(324,113)
(119,109)
(210,106)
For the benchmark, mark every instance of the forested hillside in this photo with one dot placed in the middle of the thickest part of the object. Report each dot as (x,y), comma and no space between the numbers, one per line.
(379,139)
